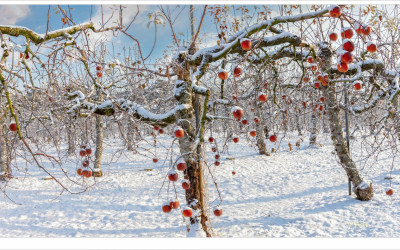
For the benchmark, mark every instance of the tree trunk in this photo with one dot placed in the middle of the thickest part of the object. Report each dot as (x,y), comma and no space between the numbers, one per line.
(195,195)
(262,147)
(130,135)
(362,190)
(99,142)
(70,137)
(5,171)
(314,129)
(296,120)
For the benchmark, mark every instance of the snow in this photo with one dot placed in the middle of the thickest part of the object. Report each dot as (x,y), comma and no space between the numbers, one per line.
(331,7)
(236,108)
(298,193)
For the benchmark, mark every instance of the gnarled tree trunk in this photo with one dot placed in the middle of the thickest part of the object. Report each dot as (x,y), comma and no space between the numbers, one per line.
(193,154)
(99,143)
(362,190)
(5,171)
(314,128)
(262,147)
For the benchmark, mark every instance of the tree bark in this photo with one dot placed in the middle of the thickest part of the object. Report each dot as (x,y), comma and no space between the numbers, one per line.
(260,136)
(5,171)
(314,129)
(362,190)
(195,195)
(298,126)
(99,142)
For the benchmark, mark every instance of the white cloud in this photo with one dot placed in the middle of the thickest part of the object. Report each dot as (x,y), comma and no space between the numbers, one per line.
(11,14)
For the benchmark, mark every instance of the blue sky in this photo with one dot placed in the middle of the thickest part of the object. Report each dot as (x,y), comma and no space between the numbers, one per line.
(35,18)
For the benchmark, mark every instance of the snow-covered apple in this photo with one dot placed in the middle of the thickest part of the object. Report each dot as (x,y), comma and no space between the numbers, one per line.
(245,44)
(172,175)
(179,132)
(187,212)
(13,127)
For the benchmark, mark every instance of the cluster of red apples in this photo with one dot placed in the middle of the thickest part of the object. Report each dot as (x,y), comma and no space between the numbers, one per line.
(85,152)
(344,55)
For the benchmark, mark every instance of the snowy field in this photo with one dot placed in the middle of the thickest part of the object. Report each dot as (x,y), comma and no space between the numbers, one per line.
(298,193)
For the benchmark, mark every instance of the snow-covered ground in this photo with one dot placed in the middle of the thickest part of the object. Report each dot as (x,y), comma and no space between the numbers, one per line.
(298,193)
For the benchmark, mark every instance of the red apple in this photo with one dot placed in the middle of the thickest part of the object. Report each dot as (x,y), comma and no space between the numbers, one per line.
(306,79)
(172,175)
(89,174)
(233,172)
(316,85)
(256,120)
(371,47)
(235,139)
(245,44)
(262,97)
(181,166)
(82,152)
(217,163)
(156,128)
(85,172)
(347,33)
(179,132)
(216,157)
(335,11)
(314,67)
(237,112)
(99,74)
(187,212)
(253,133)
(348,45)
(322,99)
(321,108)
(166,208)
(210,139)
(155,160)
(185,184)
(223,75)
(320,78)
(310,59)
(365,30)
(174,204)
(217,211)
(304,104)
(389,191)
(214,148)
(26,56)
(161,131)
(244,121)
(237,72)
(234,97)
(272,138)
(13,126)
(347,58)
(85,163)
(343,67)
(98,67)
(79,171)
(333,36)
(88,150)
(357,86)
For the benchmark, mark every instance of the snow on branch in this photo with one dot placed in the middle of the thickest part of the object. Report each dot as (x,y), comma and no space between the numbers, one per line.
(207,55)
(40,38)
(354,69)
(148,117)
